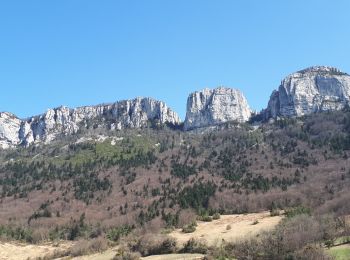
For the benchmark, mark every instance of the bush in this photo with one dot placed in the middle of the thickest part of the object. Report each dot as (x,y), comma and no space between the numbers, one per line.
(124,254)
(116,233)
(292,212)
(216,216)
(311,253)
(274,212)
(194,246)
(16,233)
(190,228)
(84,247)
(154,245)
(205,218)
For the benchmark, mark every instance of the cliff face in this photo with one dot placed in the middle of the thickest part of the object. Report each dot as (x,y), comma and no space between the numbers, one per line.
(214,107)
(307,91)
(64,121)
(9,130)
(311,90)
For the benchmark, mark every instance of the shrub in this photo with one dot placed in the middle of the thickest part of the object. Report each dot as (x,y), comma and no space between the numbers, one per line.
(190,228)
(311,253)
(274,212)
(154,245)
(194,246)
(125,254)
(301,210)
(16,233)
(84,247)
(205,218)
(216,216)
(116,233)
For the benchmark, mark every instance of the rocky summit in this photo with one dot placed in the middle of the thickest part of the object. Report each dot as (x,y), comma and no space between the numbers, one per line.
(214,107)
(314,89)
(64,121)
(318,88)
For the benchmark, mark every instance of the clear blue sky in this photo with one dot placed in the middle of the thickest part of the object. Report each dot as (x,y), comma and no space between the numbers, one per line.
(81,52)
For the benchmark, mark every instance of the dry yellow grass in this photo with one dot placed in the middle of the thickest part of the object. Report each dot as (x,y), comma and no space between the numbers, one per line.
(241,226)
(213,232)
(18,251)
(107,255)
(175,257)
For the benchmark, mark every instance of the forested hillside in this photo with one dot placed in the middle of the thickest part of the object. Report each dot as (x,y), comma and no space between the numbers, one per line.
(113,183)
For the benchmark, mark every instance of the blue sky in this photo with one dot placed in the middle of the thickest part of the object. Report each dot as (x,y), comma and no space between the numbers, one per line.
(85,52)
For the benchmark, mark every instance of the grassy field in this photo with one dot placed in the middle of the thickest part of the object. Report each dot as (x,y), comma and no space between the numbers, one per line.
(229,228)
(340,252)
(19,251)
(175,257)
(241,226)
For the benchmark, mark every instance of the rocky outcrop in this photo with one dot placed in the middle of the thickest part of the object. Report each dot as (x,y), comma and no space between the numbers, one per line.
(215,107)
(64,121)
(310,90)
(9,130)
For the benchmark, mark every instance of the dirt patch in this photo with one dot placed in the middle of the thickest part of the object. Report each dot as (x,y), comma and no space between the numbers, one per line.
(229,228)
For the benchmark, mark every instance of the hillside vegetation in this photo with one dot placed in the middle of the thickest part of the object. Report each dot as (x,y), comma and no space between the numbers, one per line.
(118,184)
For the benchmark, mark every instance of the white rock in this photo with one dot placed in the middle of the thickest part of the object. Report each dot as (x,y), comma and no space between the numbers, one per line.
(101,138)
(83,140)
(310,90)
(9,130)
(214,107)
(64,121)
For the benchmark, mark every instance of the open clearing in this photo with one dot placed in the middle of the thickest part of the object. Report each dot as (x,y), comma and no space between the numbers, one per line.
(175,257)
(109,254)
(341,252)
(212,232)
(242,225)
(18,251)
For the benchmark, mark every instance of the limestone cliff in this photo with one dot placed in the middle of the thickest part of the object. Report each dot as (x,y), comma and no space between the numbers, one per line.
(216,106)
(64,121)
(310,90)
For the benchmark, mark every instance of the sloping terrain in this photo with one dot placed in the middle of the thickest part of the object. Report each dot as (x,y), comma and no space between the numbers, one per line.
(20,251)
(114,183)
(340,252)
(229,228)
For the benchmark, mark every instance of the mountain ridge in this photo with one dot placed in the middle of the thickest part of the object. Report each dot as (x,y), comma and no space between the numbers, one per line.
(314,89)
(62,120)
